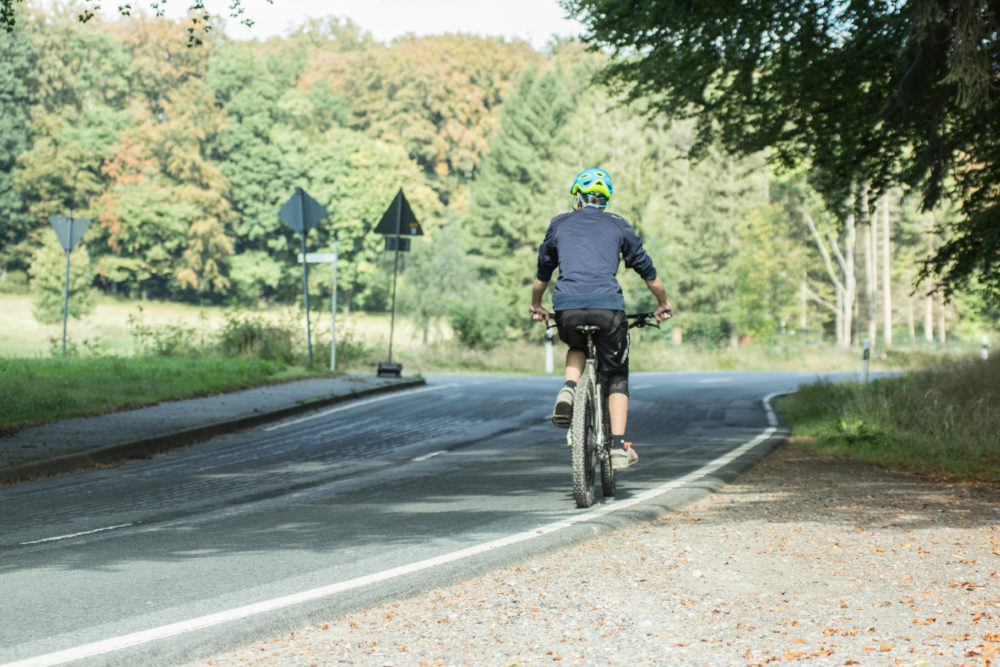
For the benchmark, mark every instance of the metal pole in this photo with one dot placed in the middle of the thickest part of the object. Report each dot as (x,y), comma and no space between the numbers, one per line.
(305,285)
(66,286)
(395,269)
(333,313)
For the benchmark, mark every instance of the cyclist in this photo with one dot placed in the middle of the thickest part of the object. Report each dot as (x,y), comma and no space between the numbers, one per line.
(587,246)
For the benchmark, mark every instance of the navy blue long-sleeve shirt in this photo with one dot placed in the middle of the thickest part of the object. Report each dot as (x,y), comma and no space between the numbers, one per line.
(587,246)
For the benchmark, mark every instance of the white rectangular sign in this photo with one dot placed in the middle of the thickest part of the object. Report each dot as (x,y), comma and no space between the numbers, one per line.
(319,257)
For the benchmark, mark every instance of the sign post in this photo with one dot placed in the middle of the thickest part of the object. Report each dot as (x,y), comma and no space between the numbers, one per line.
(301,212)
(69,231)
(328,258)
(396,221)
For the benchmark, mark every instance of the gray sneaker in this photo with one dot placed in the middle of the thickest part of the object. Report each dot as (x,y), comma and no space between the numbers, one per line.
(562,413)
(624,457)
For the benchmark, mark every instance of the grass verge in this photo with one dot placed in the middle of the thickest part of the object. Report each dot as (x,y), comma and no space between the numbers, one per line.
(42,390)
(943,422)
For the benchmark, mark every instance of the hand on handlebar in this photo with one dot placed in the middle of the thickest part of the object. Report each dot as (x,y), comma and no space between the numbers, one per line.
(539,314)
(662,313)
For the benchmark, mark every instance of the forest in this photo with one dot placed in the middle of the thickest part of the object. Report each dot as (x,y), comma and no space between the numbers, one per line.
(183,155)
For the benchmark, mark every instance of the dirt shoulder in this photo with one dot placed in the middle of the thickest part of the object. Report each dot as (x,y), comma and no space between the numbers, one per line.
(804,559)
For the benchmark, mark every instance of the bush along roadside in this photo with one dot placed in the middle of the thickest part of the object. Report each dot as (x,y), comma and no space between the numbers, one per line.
(942,422)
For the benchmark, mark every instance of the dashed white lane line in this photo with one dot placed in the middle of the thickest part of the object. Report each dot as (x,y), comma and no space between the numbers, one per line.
(203,622)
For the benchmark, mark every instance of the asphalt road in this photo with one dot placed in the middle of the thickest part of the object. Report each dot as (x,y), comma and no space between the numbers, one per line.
(208,547)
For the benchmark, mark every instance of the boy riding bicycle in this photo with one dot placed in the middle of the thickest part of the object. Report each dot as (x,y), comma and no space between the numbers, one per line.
(587,246)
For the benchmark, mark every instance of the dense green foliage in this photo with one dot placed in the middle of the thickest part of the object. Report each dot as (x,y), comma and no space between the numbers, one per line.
(941,421)
(869,93)
(183,156)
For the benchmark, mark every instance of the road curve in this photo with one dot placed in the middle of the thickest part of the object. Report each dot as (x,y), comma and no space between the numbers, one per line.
(204,548)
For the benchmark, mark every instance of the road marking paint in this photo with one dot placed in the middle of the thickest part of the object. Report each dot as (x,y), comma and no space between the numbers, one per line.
(72,535)
(266,606)
(715,380)
(431,455)
(356,404)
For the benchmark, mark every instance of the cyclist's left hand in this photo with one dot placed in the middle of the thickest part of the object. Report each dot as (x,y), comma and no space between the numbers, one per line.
(664,312)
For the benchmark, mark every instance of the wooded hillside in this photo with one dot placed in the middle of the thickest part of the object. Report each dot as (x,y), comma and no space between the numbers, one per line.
(183,156)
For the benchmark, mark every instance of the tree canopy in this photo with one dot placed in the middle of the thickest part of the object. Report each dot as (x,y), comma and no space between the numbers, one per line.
(870,93)
(200,21)
(183,157)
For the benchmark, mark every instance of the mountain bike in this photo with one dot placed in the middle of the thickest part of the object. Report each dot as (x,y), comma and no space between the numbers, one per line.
(589,435)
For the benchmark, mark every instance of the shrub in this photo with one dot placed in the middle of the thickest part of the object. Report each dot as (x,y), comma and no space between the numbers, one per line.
(167,340)
(479,324)
(246,335)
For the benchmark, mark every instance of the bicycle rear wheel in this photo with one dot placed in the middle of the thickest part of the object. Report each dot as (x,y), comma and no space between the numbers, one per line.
(607,470)
(582,440)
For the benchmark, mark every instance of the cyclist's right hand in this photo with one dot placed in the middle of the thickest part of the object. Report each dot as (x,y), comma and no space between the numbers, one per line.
(539,314)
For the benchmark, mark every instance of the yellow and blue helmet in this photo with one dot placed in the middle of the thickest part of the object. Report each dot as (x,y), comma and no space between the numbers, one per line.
(593,181)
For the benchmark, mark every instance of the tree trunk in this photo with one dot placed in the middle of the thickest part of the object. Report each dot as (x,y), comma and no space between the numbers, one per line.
(842,277)
(929,318)
(942,313)
(871,275)
(911,322)
(886,274)
(804,305)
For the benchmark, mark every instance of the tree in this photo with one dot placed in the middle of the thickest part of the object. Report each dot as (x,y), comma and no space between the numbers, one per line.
(435,96)
(16,64)
(48,281)
(869,93)
(199,19)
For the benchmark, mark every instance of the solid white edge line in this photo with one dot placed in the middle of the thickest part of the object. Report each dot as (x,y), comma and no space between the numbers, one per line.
(203,622)
(81,534)
(356,404)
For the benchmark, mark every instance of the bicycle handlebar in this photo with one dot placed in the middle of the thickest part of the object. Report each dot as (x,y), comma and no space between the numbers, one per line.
(641,320)
(644,320)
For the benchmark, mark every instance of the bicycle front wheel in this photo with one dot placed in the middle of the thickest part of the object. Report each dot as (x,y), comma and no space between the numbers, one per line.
(583,442)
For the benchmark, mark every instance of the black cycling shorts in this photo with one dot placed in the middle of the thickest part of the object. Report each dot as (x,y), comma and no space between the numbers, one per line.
(611,342)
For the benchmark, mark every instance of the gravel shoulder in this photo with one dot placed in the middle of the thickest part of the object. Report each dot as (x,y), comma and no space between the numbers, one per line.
(804,558)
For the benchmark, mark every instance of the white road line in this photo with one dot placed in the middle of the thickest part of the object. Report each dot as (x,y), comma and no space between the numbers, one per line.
(714,381)
(203,622)
(357,404)
(72,535)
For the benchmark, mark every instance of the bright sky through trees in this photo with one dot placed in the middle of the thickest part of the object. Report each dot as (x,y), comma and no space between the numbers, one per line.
(532,20)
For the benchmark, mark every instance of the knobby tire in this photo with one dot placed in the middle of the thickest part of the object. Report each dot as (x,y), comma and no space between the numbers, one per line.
(582,438)
(607,470)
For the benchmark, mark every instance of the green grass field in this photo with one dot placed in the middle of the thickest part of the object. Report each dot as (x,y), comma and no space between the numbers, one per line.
(942,421)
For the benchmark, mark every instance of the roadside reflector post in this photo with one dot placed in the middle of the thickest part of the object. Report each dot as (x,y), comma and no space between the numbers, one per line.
(986,351)
(69,231)
(864,360)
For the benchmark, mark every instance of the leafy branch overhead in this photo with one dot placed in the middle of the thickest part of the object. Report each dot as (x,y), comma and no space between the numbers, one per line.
(869,93)
(200,19)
